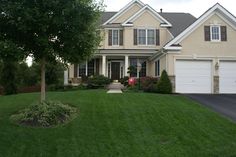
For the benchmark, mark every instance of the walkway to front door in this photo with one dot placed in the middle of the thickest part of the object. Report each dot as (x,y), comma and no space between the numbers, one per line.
(115,88)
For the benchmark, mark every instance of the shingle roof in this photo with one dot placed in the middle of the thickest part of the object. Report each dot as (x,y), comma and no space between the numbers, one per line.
(106,16)
(179,21)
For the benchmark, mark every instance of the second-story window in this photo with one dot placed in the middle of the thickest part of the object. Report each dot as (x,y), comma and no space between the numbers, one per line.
(142,36)
(115,37)
(215,33)
(151,36)
(146,36)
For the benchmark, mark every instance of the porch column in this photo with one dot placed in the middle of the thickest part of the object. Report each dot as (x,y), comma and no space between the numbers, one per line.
(86,68)
(104,65)
(126,65)
(66,73)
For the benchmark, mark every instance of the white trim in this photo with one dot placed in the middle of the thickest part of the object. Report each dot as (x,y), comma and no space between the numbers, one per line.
(152,11)
(123,10)
(198,22)
(211,33)
(170,34)
(174,48)
(226,21)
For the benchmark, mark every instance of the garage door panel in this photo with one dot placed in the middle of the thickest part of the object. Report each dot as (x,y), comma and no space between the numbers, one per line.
(193,76)
(227,75)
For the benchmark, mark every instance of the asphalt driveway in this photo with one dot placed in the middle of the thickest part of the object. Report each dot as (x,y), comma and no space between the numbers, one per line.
(225,104)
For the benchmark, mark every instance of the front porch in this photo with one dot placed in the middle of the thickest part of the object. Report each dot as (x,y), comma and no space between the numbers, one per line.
(113,67)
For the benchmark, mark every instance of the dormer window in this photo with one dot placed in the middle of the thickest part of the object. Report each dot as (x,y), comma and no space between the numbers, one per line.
(215,33)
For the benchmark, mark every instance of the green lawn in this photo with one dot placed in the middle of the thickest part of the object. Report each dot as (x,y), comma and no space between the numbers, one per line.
(120,125)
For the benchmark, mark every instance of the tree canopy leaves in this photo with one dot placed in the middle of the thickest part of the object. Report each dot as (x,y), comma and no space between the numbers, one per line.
(51,29)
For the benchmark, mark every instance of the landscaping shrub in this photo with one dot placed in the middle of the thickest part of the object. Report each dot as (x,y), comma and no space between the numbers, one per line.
(45,114)
(29,89)
(132,70)
(98,81)
(164,85)
(84,79)
(65,88)
(148,84)
(124,81)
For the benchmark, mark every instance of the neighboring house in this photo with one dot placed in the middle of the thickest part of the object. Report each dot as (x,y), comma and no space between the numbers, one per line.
(198,54)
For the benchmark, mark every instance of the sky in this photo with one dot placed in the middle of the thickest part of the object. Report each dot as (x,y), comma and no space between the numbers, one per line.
(195,7)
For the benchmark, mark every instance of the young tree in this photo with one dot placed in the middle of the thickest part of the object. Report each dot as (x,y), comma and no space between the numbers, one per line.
(51,29)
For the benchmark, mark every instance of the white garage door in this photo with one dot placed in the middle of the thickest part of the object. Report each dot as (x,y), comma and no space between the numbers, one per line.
(193,76)
(227,73)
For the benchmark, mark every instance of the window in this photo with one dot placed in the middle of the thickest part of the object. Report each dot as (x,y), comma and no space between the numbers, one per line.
(115,37)
(82,69)
(151,36)
(215,33)
(142,37)
(91,68)
(143,69)
(87,68)
(146,36)
(133,64)
(157,68)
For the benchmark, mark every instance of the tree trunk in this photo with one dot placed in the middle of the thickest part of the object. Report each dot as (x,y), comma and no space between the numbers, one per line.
(43,83)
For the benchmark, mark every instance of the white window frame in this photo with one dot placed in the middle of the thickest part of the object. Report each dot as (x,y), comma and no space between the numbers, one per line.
(215,40)
(118,42)
(146,31)
(145,36)
(154,31)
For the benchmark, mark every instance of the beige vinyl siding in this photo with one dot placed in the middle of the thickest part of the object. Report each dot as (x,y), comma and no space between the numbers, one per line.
(127,14)
(151,66)
(195,47)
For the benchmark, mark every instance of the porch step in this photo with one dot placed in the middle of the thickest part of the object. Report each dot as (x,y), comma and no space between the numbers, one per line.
(115,81)
(113,91)
(115,88)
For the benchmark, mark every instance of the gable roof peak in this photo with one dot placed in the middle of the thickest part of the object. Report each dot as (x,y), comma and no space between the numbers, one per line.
(129,21)
(215,9)
(123,10)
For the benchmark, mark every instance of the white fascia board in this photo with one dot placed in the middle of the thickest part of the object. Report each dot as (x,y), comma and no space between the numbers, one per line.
(226,20)
(124,9)
(128,25)
(152,11)
(175,48)
(197,23)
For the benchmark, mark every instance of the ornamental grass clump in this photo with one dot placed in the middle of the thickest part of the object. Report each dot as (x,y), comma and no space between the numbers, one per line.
(45,114)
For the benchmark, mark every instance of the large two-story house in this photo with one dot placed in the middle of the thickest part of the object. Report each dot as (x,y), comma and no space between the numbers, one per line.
(199,55)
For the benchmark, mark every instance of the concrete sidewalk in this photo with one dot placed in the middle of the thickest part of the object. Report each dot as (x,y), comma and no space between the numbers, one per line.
(115,88)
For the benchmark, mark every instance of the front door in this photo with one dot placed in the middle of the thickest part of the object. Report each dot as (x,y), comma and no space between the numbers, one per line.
(115,70)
